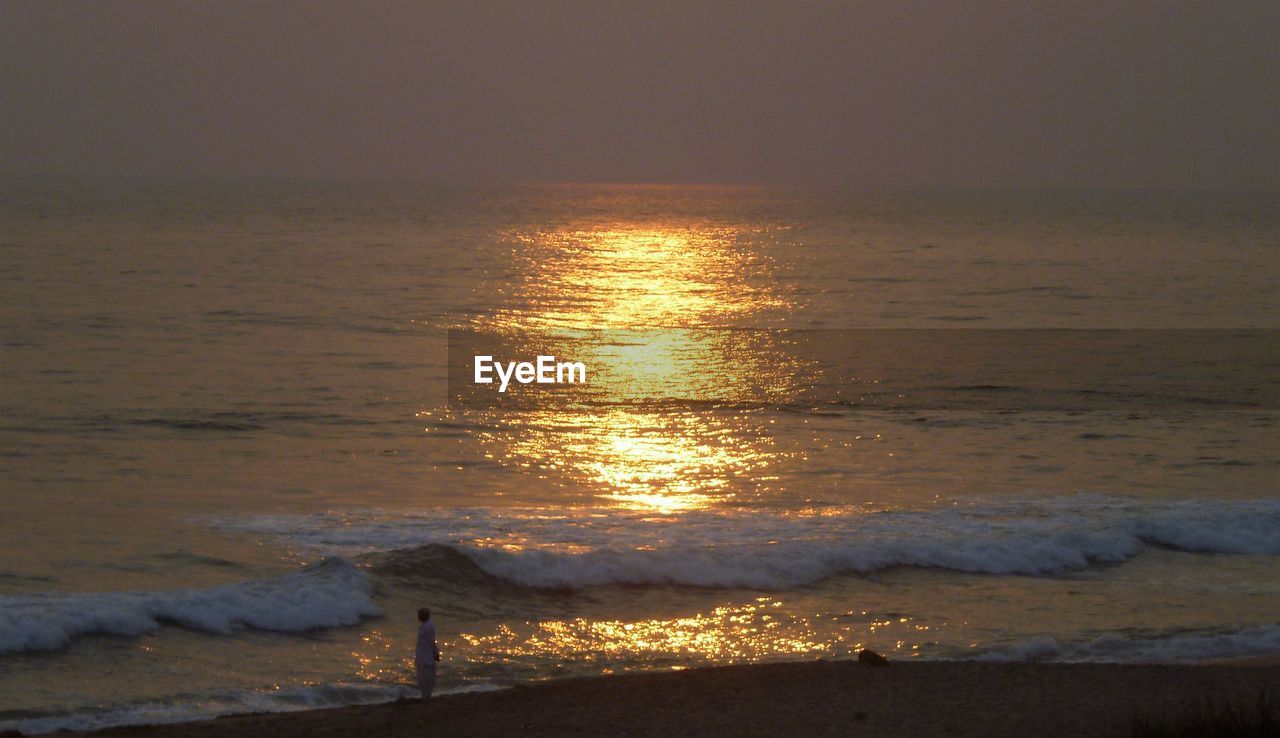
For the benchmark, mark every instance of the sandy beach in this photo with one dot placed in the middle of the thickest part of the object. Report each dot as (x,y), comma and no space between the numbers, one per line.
(815,698)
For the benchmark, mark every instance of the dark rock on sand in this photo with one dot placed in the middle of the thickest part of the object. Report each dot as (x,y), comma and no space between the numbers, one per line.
(867,657)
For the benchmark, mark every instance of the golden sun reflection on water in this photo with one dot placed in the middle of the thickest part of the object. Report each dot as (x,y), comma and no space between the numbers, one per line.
(725,634)
(731,633)
(645,460)
(380,659)
(656,313)
(758,629)
(639,276)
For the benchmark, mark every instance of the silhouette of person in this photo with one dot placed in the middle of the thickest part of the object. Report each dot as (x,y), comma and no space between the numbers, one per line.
(428,653)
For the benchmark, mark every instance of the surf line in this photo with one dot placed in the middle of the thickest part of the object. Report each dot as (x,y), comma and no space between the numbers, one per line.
(544,370)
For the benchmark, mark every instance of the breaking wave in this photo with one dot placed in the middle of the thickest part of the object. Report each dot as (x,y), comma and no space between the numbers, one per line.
(329,594)
(779,550)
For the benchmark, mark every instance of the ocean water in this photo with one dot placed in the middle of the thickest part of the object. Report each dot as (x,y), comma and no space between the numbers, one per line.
(235,458)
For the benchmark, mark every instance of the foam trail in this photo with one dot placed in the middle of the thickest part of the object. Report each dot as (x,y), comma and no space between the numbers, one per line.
(187,708)
(330,594)
(1154,648)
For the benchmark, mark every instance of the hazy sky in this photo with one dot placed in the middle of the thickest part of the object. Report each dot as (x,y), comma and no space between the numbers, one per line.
(861,93)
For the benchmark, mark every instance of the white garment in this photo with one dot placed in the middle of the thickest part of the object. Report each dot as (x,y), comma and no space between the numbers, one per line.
(425,657)
(426,680)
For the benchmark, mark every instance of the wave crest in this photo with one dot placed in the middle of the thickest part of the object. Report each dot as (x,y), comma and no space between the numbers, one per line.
(778,550)
(329,594)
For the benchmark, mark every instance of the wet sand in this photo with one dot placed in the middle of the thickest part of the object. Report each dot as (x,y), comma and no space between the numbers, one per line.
(802,699)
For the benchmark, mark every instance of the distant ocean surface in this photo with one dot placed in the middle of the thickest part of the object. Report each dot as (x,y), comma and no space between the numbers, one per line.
(943,425)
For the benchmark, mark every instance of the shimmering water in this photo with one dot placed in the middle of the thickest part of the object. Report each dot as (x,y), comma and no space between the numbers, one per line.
(943,425)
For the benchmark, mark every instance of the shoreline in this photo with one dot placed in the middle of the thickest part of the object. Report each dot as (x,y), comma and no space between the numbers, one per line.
(951,698)
(1267,660)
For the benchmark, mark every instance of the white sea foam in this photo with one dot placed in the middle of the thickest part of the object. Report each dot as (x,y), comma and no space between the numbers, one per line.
(186,708)
(326,595)
(793,563)
(771,549)
(1144,648)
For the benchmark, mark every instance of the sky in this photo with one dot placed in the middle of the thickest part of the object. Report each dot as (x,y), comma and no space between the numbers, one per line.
(863,93)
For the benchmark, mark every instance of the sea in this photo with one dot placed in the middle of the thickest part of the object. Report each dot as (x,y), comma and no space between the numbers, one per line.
(239,450)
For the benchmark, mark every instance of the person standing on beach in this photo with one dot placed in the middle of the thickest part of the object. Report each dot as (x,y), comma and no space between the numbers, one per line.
(428,653)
